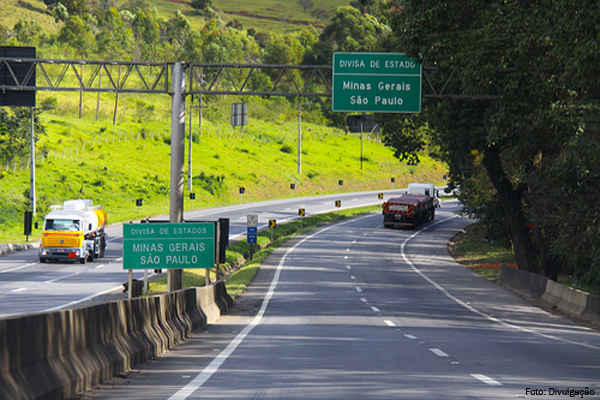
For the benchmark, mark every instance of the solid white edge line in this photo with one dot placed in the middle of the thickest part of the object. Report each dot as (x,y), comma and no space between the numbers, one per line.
(468,306)
(215,364)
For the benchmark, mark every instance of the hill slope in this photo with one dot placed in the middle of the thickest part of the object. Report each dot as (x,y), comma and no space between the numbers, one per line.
(262,15)
(115,165)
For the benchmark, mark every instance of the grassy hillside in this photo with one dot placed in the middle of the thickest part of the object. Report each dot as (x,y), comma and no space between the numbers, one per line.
(264,15)
(116,164)
(13,10)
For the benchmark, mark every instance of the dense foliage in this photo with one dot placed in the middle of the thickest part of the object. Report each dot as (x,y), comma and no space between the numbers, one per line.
(527,161)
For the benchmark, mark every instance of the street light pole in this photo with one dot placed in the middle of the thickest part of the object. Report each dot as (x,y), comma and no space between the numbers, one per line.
(32,169)
(175,276)
(299,138)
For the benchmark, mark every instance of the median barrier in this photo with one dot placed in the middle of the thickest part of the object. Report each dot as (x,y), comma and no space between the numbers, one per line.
(11,248)
(58,354)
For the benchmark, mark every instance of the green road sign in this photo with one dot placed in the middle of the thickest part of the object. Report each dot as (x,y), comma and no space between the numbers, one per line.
(166,245)
(376,82)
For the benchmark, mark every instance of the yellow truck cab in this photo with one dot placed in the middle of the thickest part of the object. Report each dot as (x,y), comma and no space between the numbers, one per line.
(74,231)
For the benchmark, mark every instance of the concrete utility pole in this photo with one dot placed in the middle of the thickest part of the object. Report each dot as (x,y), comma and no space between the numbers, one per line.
(175,276)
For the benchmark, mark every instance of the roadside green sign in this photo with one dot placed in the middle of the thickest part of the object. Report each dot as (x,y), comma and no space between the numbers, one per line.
(169,245)
(376,82)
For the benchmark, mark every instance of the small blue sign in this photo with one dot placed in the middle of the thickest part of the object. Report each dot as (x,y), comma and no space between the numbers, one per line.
(251,238)
(252,229)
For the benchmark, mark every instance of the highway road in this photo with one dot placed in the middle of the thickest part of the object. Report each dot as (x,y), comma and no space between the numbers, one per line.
(356,311)
(27,286)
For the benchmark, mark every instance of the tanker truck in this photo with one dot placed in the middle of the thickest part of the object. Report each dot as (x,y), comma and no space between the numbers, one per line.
(74,231)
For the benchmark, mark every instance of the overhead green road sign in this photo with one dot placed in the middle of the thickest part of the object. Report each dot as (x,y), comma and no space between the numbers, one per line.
(376,82)
(169,245)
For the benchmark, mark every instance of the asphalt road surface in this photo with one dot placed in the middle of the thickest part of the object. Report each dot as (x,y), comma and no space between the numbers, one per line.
(28,286)
(356,311)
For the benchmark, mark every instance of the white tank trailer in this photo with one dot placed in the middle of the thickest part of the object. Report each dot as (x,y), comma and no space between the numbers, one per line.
(74,231)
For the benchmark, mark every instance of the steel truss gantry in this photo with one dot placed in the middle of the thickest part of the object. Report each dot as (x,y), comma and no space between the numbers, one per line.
(203,79)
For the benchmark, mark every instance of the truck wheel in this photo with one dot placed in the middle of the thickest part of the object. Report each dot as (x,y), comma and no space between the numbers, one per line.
(82,260)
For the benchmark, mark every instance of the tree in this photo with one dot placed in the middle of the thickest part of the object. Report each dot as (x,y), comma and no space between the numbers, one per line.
(349,30)
(319,13)
(75,7)
(77,34)
(305,4)
(514,49)
(28,32)
(146,33)
(178,28)
(284,49)
(201,5)
(60,13)
(114,39)
(15,132)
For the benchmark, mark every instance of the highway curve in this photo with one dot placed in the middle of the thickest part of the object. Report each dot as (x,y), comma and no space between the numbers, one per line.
(355,311)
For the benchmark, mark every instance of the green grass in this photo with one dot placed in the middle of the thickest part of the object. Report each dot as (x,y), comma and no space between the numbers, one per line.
(13,10)
(116,164)
(483,257)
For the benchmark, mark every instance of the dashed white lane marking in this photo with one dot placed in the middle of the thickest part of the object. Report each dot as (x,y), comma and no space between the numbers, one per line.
(486,379)
(363,300)
(352,277)
(375,309)
(348,267)
(438,352)
(216,363)
(389,323)
(358,289)
(411,337)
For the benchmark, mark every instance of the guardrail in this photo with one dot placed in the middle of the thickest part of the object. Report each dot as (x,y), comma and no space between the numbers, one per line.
(56,355)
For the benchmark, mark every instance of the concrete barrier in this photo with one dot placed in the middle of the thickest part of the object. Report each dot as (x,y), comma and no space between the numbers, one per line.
(11,248)
(55,355)
(565,299)
(533,285)
(570,301)
(592,309)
